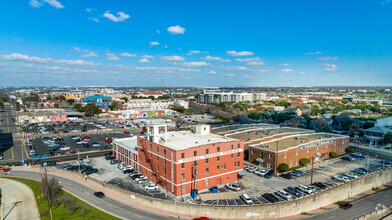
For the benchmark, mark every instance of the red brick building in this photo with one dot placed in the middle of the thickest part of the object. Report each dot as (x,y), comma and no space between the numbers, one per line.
(172,158)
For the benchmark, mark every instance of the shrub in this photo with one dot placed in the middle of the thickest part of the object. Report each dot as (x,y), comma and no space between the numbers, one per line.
(304,161)
(350,150)
(283,167)
(333,154)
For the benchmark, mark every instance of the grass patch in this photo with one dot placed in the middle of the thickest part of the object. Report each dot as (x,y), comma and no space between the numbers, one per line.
(67,206)
(292,168)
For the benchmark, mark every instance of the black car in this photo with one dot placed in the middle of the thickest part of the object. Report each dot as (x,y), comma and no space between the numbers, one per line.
(345,206)
(320,185)
(109,157)
(270,197)
(99,194)
(286,176)
(269,174)
(48,163)
(136,176)
(128,171)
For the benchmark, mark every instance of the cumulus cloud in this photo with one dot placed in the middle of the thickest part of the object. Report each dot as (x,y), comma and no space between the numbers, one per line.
(247,59)
(287,70)
(144,60)
(194,64)
(301,73)
(255,63)
(173,58)
(128,55)
(54,3)
(89,54)
(76,49)
(313,53)
(154,43)
(208,57)
(327,58)
(111,56)
(176,29)
(330,67)
(284,64)
(191,52)
(212,72)
(243,69)
(148,56)
(28,59)
(229,74)
(121,16)
(239,53)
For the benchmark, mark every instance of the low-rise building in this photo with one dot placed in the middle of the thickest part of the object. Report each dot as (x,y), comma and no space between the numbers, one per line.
(100,101)
(41,116)
(376,135)
(218,97)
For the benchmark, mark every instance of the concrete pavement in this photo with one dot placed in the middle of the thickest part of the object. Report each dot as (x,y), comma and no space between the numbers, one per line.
(112,203)
(361,206)
(16,192)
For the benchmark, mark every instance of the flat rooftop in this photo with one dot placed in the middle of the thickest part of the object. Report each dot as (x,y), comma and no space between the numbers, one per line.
(182,140)
(127,143)
(270,137)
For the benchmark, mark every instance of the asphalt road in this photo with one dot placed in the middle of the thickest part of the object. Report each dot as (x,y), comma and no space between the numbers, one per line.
(361,206)
(12,148)
(106,204)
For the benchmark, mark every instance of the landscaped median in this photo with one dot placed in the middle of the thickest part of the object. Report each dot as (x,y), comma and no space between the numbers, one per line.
(65,205)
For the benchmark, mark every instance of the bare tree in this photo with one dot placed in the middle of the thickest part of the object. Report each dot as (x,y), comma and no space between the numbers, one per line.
(179,122)
(50,189)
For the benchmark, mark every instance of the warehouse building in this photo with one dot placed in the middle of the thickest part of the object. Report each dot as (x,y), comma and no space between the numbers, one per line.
(184,161)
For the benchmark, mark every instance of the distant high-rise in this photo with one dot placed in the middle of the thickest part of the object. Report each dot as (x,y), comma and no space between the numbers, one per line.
(218,97)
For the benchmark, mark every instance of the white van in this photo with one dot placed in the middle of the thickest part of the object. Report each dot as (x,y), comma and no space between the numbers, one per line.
(305,189)
(246,199)
(285,195)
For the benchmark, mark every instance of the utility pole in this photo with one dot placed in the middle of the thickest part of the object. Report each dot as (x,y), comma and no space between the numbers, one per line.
(311,176)
(276,159)
(48,188)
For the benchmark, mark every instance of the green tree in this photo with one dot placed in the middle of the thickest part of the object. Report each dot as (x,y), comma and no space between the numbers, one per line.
(283,167)
(254,115)
(388,138)
(70,101)
(304,161)
(350,150)
(125,99)
(368,124)
(333,154)
(91,110)
(284,104)
(79,107)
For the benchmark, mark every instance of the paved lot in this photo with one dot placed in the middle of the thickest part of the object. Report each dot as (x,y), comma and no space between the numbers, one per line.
(111,174)
(197,118)
(42,149)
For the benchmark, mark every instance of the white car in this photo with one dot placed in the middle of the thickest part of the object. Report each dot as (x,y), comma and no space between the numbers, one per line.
(151,187)
(285,195)
(96,145)
(305,189)
(141,178)
(341,178)
(351,175)
(65,148)
(262,172)
(81,142)
(234,187)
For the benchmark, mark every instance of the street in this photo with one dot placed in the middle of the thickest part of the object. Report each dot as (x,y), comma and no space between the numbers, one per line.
(106,204)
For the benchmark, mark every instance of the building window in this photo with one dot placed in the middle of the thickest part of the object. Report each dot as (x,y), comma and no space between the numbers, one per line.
(224,166)
(317,147)
(296,162)
(253,152)
(343,142)
(270,156)
(296,152)
(182,165)
(164,162)
(326,154)
(158,168)
(157,149)
(182,155)
(232,147)
(164,152)
(235,163)
(291,163)
(195,153)
(284,155)
(218,149)
(207,171)
(157,158)
(218,158)
(207,182)
(151,155)
(218,169)
(307,150)
(183,176)
(238,154)
(165,171)
(207,160)
(151,146)
(239,145)
(195,163)
(232,155)
(239,163)
(268,165)
(207,151)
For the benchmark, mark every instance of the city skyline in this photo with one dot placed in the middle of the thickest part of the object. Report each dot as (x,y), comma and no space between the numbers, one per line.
(253,43)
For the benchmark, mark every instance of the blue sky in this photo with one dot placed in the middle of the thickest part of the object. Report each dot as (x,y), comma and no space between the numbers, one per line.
(196,43)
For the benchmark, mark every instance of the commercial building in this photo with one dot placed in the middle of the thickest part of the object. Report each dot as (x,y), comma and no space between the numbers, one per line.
(142,113)
(100,101)
(148,94)
(41,116)
(183,161)
(271,145)
(218,97)
(151,104)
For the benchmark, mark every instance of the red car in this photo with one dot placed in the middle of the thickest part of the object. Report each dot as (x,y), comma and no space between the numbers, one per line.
(201,218)
(85,137)
(4,169)
(109,140)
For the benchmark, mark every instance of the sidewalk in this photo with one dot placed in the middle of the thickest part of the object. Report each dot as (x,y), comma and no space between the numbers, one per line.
(126,199)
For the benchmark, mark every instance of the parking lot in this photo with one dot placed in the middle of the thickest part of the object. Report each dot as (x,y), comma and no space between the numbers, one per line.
(65,145)
(258,185)
(111,174)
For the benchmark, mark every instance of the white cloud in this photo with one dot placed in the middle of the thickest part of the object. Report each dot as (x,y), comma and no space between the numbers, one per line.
(148,56)
(247,76)
(111,56)
(247,59)
(243,69)
(94,19)
(212,72)
(313,53)
(128,55)
(301,73)
(89,54)
(176,29)
(284,64)
(154,43)
(35,3)
(54,3)
(364,68)
(216,59)
(76,49)
(191,52)
(287,70)
(173,58)
(27,59)
(121,16)
(327,58)
(164,46)
(158,32)
(229,74)
(144,60)
(239,53)
(330,67)
(255,63)
(194,64)
(88,9)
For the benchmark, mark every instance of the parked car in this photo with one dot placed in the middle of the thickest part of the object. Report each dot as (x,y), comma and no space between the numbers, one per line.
(286,176)
(65,148)
(246,199)
(362,171)
(48,163)
(270,197)
(142,181)
(233,186)
(99,194)
(285,195)
(109,157)
(340,178)
(86,138)
(351,175)
(269,174)
(115,161)
(297,173)
(345,206)
(94,170)
(128,171)
(262,172)
(304,188)
(151,187)
(320,185)
(293,191)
